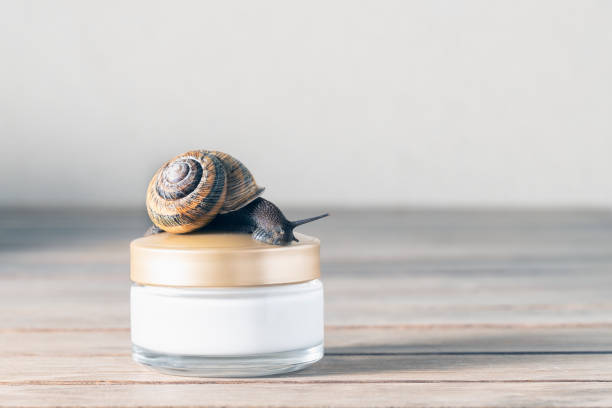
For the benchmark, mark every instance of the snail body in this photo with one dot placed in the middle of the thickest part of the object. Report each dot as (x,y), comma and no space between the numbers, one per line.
(207,188)
(263,219)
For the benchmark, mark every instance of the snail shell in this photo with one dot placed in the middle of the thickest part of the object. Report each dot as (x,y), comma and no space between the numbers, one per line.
(187,192)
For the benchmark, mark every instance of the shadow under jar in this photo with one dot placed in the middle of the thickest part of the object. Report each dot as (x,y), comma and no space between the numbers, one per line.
(224,305)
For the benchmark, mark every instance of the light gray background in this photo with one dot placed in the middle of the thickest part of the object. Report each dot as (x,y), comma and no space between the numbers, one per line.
(327,102)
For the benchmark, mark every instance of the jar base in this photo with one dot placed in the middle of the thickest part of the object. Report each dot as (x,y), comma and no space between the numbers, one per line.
(258,365)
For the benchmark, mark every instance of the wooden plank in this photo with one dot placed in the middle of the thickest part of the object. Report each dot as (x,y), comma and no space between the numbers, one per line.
(346,236)
(338,341)
(353,395)
(95,295)
(433,367)
(424,308)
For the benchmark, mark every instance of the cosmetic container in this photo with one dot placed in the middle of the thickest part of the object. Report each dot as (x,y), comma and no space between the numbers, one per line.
(224,305)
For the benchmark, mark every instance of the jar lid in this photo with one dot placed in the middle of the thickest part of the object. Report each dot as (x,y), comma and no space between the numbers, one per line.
(221,260)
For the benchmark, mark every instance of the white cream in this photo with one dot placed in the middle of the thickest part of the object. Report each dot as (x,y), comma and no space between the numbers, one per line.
(234,321)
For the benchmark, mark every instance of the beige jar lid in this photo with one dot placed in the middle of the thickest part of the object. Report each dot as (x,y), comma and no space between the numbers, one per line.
(221,260)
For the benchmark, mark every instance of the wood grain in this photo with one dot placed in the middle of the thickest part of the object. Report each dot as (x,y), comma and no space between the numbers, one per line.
(432,367)
(457,394)
(95,295)
(435,308)
(340,340)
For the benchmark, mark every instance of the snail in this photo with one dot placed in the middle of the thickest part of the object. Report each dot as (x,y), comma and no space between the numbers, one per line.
(211,189)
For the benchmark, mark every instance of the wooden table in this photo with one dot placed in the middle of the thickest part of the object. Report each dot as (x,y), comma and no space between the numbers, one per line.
(423,308)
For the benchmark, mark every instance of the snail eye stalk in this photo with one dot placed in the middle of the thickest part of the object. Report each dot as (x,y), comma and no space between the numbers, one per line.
(307,220)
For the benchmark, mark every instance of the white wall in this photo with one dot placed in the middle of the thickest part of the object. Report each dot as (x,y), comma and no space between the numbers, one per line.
(327,102)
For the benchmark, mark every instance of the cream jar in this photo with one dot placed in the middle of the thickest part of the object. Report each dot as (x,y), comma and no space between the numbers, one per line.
(224,305)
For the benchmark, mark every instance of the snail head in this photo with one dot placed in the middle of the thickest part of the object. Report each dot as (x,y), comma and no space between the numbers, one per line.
(269,224)
(282,232)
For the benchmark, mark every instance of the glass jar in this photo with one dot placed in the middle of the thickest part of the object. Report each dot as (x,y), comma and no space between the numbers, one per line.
(224,305)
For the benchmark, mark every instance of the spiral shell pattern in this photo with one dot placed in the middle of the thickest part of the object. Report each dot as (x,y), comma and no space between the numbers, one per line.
(187,192)
(241,186)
